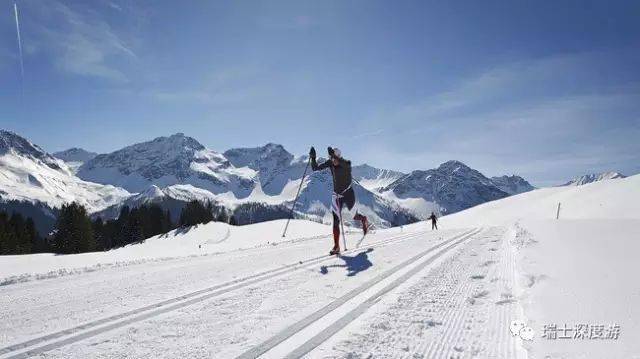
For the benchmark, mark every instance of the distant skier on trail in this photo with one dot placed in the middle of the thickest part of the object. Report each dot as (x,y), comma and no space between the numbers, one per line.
(342,191)
(433,219)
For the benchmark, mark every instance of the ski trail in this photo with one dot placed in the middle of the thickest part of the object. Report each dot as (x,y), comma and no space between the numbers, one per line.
(322,324)
(462,308)
(71,335)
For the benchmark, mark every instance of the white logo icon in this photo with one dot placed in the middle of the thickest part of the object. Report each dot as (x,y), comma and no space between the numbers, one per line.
(520,329)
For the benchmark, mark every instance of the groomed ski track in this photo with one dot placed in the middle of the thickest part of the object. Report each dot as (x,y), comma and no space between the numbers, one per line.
(291,309)
(80,332)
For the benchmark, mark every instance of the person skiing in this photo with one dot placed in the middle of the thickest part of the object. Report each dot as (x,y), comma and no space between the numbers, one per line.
(343,193)
(433,219)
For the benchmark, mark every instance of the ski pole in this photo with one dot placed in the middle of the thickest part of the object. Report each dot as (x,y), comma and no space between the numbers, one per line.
(296,199)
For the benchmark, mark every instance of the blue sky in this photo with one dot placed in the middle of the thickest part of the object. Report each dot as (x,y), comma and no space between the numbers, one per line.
(544,89)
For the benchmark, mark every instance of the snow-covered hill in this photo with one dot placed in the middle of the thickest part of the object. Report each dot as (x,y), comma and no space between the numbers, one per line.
(566,267)
(29,174)
(618,199)
(594,177)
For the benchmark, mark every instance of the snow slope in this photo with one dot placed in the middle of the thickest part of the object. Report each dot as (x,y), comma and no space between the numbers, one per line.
(243,292)
(212,238)
(618,199)
(576,271)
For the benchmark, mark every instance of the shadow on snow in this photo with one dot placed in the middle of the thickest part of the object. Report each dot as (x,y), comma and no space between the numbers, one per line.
(353,264)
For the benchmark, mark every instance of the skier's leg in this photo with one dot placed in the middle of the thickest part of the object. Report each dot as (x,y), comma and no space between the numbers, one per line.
(336,233)
(336,207)
(350,201)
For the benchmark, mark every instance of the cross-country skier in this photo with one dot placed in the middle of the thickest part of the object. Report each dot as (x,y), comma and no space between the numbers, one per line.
(433,219)
(342,191)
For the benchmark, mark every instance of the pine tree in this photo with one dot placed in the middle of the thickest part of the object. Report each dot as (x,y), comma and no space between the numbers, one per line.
(74,233)
(168,224)
(4,233)
(195,213)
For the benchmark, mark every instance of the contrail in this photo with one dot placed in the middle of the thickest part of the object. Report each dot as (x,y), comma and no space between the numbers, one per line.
(15,10)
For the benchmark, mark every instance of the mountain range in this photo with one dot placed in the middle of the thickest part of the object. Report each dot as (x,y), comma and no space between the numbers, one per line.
(254,183)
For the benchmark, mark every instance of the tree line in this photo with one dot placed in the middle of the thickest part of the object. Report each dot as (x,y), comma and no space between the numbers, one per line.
(76,232)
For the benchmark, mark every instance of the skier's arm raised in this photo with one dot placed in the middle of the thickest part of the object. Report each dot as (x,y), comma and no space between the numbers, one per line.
(314,164)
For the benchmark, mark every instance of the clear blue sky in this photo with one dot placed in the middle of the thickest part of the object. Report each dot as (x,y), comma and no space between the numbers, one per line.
(544,89)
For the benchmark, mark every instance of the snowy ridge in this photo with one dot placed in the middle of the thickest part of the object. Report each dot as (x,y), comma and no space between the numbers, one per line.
(594,177)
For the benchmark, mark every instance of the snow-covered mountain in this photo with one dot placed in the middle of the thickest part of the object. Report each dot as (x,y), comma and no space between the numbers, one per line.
(373,178)
(29,175)
(256,183)
(74,157)
(512,184)
(274,165)
(165,161)
(451,187)
(594,177)
(279,175)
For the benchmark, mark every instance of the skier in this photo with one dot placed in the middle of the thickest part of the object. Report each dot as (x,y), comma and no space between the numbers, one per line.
(342,191)
(433,219)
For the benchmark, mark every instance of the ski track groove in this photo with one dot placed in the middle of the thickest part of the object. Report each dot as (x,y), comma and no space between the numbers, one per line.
(146,312)
(425,258)
(442,297)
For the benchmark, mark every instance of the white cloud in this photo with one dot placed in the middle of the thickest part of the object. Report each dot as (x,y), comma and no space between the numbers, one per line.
(225,86)
(81,42)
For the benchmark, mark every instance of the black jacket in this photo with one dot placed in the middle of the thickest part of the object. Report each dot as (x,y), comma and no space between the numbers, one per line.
(341,173)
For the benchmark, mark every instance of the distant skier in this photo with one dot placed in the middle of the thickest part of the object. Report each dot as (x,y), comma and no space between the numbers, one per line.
(433,219)
(342,191)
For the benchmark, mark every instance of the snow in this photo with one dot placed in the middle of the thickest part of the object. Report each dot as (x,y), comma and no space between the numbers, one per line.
(223,291)
(619,199)
(580,269)
(212,238)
